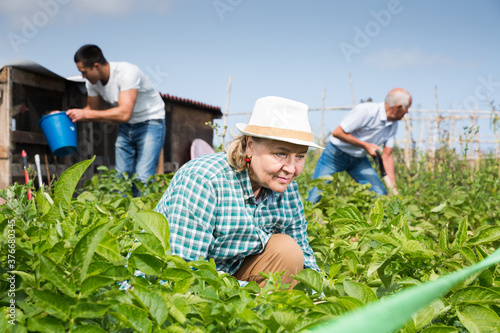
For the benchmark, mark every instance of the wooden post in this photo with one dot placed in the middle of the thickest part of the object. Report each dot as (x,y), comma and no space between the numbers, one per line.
(322,139)
(47,168)
(226,112)
(421,139)
(5,127)
(497,150)
(430,144)
(497,136)
(407,148)
(452,140)
(471,141)
(436,131)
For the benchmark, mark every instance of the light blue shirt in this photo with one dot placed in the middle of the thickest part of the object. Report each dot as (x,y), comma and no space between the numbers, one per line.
(367,122)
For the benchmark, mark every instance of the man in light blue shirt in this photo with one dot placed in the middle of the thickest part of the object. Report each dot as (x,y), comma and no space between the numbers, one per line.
(360,133)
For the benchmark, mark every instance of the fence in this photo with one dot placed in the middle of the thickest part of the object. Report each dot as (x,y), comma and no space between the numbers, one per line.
(435,129)
(438,128)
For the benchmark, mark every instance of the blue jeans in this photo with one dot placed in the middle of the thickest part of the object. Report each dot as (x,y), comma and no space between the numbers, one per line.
(334,160)
(138,146)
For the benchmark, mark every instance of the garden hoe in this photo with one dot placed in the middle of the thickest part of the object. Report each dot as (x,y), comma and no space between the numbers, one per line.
(380,164)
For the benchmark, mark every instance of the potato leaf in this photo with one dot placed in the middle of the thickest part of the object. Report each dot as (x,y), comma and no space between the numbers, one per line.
(64,189)
(90,310)
(486,235)
(59,278)
(146,263)
(45,324)
(441,329)
(478,319)
(153,303)
(92,283)
(439,208)
(108,248)
(359,291)
(51,303)
(84,250)
(461,235)
(311,279)
(132,316)
(476,295)
(156,224)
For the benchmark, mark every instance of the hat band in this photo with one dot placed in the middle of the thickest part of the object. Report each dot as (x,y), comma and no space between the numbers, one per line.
(280,132)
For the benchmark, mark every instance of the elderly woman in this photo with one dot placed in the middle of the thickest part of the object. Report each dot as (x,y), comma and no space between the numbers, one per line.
(243,208)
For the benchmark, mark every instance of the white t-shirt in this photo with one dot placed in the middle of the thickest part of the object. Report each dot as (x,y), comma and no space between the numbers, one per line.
(367,122)
(125,76)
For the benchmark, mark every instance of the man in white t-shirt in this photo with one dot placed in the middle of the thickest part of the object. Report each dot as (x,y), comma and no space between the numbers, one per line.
(136,105)
(361,132)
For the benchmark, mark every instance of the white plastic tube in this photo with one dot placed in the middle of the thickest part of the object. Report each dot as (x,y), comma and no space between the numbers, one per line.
(38,170)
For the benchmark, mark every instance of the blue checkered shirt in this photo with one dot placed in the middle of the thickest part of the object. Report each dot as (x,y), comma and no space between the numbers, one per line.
(212,213)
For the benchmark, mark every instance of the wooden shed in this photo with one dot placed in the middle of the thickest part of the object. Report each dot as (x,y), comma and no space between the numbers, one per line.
(185,121)
(28,91)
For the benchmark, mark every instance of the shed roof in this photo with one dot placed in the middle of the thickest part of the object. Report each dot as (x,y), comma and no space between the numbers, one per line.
(216,110)
(32,67)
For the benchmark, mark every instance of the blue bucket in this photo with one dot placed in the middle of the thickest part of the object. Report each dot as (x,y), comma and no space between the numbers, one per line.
(60,133)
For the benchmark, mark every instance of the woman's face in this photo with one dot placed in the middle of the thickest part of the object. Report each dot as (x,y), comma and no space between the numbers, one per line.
(275,164)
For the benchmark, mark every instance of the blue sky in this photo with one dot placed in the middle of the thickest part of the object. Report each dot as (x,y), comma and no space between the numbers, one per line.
(294,49)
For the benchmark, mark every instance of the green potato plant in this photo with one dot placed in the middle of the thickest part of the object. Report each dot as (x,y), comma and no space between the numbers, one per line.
(96,259)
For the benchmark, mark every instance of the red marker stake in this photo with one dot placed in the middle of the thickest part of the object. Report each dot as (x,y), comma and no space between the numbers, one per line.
(26,176)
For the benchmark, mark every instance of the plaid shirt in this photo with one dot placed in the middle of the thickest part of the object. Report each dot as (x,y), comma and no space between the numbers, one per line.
(212,213)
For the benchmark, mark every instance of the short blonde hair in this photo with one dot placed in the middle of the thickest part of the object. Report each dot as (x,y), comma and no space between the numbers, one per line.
(236,151)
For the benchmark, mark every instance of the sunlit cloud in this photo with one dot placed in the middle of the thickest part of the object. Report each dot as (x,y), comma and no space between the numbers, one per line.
(401,58)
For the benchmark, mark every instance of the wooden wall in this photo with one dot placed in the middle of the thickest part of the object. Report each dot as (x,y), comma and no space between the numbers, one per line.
(184,124)
(26,96)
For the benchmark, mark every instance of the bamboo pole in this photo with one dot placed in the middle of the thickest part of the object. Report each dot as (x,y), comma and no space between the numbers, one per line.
(497,136)
(451,118)
(331,108)
(497,149)
(407,152)
(323,118)
(226,112)
(436,131)
(459,141)
(47,169)
(452,111)
(452,132)
(422,128)
(471,156)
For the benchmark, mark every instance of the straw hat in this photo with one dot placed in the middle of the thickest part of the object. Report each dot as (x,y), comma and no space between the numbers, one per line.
(281,119)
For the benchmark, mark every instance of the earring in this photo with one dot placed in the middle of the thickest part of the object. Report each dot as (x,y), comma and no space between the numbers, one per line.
(248,159)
